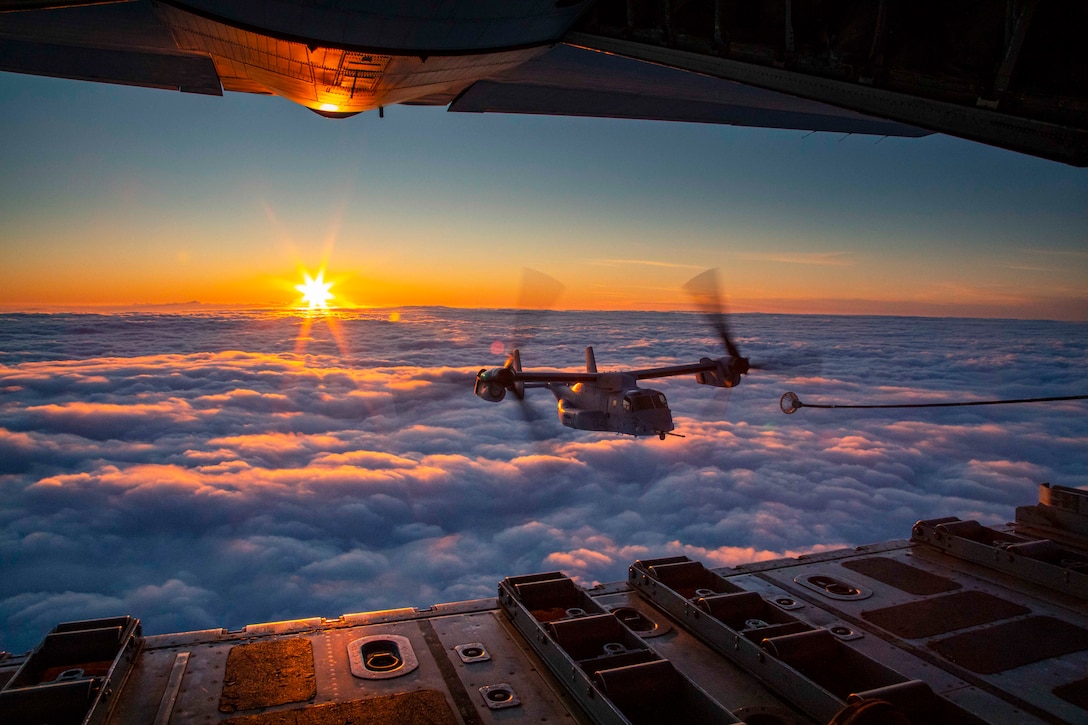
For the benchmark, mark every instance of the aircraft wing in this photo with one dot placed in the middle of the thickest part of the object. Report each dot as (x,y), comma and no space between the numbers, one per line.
(156,45)
(118,42)
(557,377)
(1009,74)
(539,378)
(675,370)
(569,80)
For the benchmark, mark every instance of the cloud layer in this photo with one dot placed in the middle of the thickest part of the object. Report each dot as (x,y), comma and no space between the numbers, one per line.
(217,470)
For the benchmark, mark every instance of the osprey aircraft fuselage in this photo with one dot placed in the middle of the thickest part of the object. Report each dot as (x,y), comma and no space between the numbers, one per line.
(607,402)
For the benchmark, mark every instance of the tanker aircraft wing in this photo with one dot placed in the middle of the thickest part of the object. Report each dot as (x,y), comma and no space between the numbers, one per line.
(868,68)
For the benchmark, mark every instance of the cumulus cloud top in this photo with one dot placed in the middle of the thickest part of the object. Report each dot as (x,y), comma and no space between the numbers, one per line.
(216,470)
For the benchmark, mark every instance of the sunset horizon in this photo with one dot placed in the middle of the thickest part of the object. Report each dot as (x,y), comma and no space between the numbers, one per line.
(1058,311)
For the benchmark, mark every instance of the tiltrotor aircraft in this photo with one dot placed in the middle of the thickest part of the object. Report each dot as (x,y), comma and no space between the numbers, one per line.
(613,401)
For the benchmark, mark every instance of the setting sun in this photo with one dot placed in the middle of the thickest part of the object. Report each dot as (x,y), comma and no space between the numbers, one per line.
(315,291)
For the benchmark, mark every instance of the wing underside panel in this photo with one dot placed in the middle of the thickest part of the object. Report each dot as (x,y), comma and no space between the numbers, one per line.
(188,73)
(124,43)
(574,81)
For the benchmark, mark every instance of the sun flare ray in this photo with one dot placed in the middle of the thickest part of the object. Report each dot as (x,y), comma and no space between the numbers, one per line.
(315,303)
(315,290)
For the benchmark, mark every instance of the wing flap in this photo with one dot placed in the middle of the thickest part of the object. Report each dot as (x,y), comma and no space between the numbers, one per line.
(190,74)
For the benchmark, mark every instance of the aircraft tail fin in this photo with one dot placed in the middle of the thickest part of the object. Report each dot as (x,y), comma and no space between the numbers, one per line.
(591,362)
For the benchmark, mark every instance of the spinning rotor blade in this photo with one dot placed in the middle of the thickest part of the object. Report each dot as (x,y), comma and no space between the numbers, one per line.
(703,289)
(540,428)
(536,297)
(528,413)
(513,362)
(538,290)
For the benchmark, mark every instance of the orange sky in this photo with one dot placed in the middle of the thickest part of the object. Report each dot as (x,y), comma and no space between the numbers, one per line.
(175,202)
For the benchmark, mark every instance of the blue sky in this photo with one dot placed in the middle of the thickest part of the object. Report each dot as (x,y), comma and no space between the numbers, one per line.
(122,196)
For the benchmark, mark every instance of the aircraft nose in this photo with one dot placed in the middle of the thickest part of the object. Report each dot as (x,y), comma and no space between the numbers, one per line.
(652,422)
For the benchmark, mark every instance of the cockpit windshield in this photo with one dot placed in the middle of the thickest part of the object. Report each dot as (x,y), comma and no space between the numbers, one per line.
(645,401)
